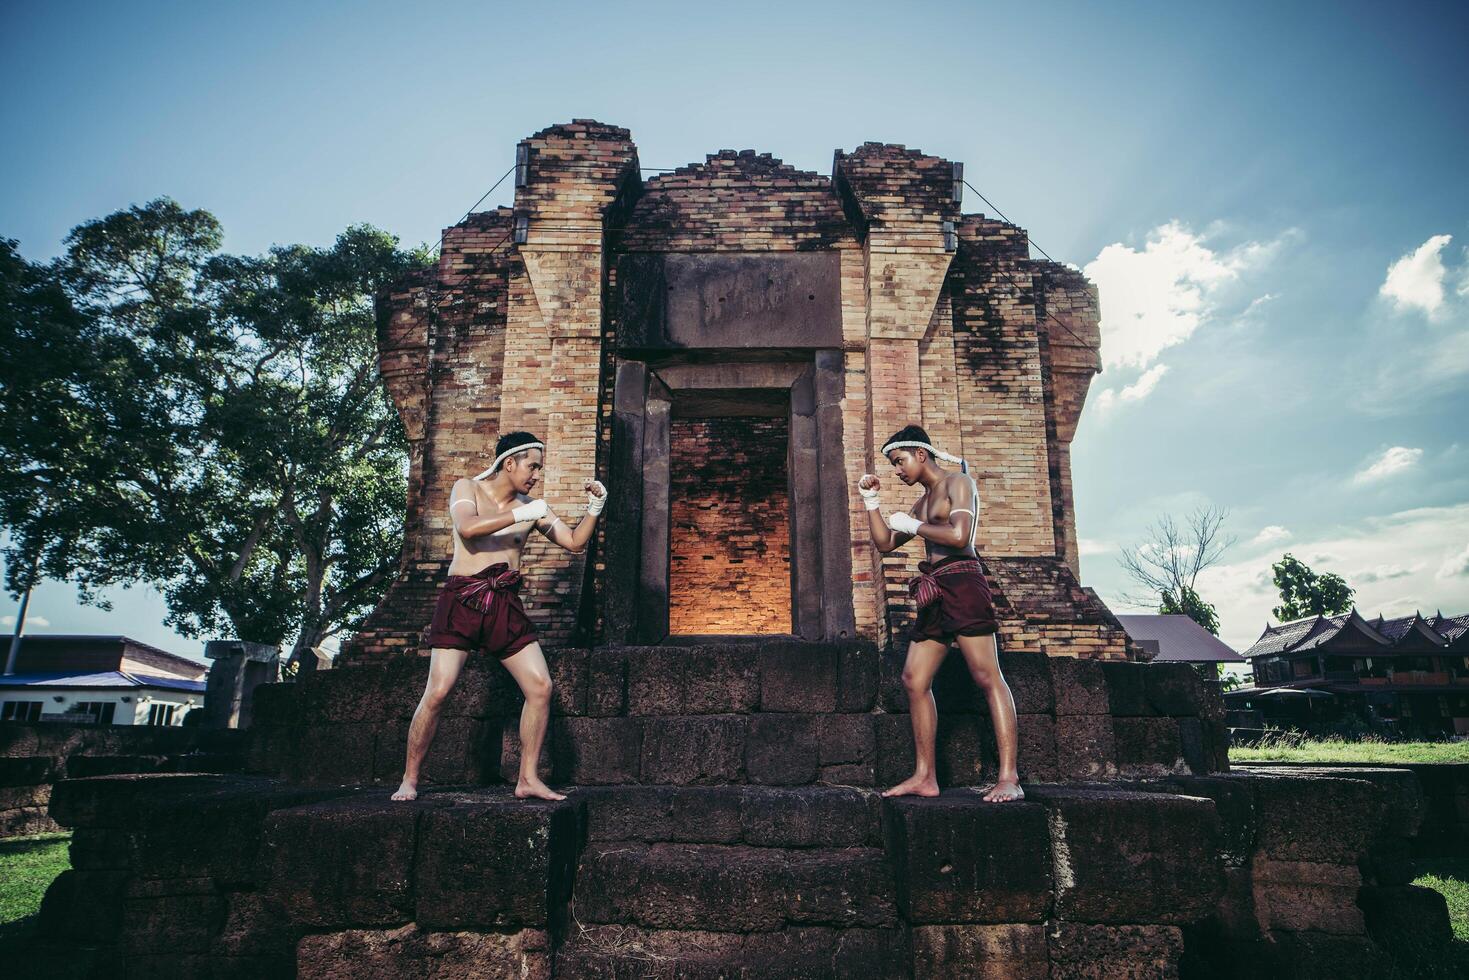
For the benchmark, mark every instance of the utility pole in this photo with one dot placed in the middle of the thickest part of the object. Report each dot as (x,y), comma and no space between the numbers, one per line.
(20,624)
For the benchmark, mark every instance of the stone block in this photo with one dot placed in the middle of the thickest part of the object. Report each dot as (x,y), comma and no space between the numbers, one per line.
(964,750)
(1149,746)
(954,690)
(494,863)
(810,817)
(857,673)
(1079,686)
(717,680)
(1174,689)
(1029,677)
(892,697)
(800,677)
(100,849)
(847,887)
(510,753)
(679,814)
(1126,691)
(274,704)
(1036,754)
(1132,858)
(412,954)
(959,859)
(655,681)
(698,750)
(345,862)
(1084,747)
(596,751)
(570,680)
(1290,811)
(846,739)
(1099,952)
(348,694)
(254,927)
(465,751)
(606,682)
(894,748)
(26,771)
(1234,802)
(1300,895)
(1407,919)
(781,749)
(128,801)
(613,952)
(83,907)
(987,952)
(331,753)
(186,923)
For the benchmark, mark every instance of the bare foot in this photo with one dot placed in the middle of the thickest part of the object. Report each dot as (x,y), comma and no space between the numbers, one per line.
(1004,791)
(535,789)
(915,786)
(407,791)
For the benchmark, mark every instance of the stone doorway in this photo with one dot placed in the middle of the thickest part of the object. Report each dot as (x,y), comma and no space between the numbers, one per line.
(729,527)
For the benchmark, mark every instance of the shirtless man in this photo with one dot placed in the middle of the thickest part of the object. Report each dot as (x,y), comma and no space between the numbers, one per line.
(479,608)
(953,600)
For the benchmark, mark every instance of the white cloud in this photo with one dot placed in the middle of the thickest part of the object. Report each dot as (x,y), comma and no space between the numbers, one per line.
(1089,546)
(1416,279)
(1157,297)
(1134,392)
(30,621)
(1270,534)
(1393,460)
(1455,565)
(1397,563)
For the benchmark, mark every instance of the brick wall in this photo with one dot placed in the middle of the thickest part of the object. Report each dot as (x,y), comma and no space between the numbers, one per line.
(729,544)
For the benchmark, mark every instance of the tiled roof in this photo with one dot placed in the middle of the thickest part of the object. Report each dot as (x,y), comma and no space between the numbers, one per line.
(104,679)
(1307,634)
(1179,639)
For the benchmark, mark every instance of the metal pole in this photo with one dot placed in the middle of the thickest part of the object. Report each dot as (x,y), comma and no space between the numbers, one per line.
(20,625)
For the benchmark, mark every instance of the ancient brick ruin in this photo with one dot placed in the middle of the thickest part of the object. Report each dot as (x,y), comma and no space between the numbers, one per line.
(724,819)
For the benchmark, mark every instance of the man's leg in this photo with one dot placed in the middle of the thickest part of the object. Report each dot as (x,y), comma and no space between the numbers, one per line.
(443,670)
(924,658)
(528,667)
(984,666)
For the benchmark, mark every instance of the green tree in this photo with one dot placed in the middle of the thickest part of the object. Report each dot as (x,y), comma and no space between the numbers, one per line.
(1188,603)
(228,439)
(1305,593)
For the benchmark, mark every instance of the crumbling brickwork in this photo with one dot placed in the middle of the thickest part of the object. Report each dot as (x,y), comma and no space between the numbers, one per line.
(937,317)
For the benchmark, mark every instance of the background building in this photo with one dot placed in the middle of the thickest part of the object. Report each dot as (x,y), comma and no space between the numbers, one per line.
(1178,639)
(100,680)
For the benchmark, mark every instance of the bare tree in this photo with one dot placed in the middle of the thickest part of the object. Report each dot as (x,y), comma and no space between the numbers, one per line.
(1174,554)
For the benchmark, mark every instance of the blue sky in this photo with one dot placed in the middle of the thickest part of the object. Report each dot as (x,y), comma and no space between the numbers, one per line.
(1239,178)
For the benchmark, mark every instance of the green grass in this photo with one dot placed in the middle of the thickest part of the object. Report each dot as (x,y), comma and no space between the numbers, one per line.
(1450,878)
(28,865)
(1293,748)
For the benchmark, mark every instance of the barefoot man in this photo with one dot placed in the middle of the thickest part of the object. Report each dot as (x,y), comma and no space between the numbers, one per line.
(953,602)
(479,606)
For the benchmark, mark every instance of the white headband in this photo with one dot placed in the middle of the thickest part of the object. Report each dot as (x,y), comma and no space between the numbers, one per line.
(510,452)
(936,453)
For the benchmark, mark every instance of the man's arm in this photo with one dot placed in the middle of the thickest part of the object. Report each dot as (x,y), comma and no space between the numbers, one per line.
(464,508)
(884,538)
(575,540)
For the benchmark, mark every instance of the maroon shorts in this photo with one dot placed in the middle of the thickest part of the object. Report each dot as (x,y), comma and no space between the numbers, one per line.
(504,630)
(964,607)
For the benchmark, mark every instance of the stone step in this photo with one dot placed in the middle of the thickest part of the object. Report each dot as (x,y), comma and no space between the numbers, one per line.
(733,887)
(760,816)
(626,953)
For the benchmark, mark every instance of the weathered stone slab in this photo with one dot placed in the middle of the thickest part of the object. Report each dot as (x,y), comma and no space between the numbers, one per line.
(716,680)
(1079,686)
(1174,689)
(596,751)
(623,952)
(1084,747)
(846,739)
(681,814)
(697,750)
(1126,690)
(1149,747)
(412,954)
(781,749)
(797,676)
(965,751)
(494,863)
(988,952)
(345,862)
(177,923)
(606,682)
(1299,895)
(810,817)
(959,859)
(1290,811)
(1097,952)
(1029,677)
(1036,754)
(857,673)
(127,801)
(1408,919)
(894,748)
(1132,858)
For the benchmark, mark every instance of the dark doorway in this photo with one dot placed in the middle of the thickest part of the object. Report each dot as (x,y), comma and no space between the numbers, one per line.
(729,533)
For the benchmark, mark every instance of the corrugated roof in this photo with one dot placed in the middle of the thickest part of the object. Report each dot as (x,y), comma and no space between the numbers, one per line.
(105,679)
(1179,639)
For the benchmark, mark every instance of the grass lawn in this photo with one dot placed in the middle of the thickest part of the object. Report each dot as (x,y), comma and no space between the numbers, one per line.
(1294,749)
(27,867)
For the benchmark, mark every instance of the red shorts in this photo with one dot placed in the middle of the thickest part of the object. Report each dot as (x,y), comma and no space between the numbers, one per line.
(504,630)
(965,606)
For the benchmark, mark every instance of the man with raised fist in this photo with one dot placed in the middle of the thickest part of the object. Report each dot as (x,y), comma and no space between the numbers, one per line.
(479,607)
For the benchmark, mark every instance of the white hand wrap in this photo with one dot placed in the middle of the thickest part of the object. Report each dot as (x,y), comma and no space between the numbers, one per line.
(869,495)
(533,511)
(904,523)
(594,502)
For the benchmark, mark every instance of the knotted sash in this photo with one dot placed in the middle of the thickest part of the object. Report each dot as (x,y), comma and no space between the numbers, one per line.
(479,591)
(923,589)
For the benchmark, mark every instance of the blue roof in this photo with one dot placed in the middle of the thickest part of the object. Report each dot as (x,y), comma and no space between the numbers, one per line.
(104,679)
